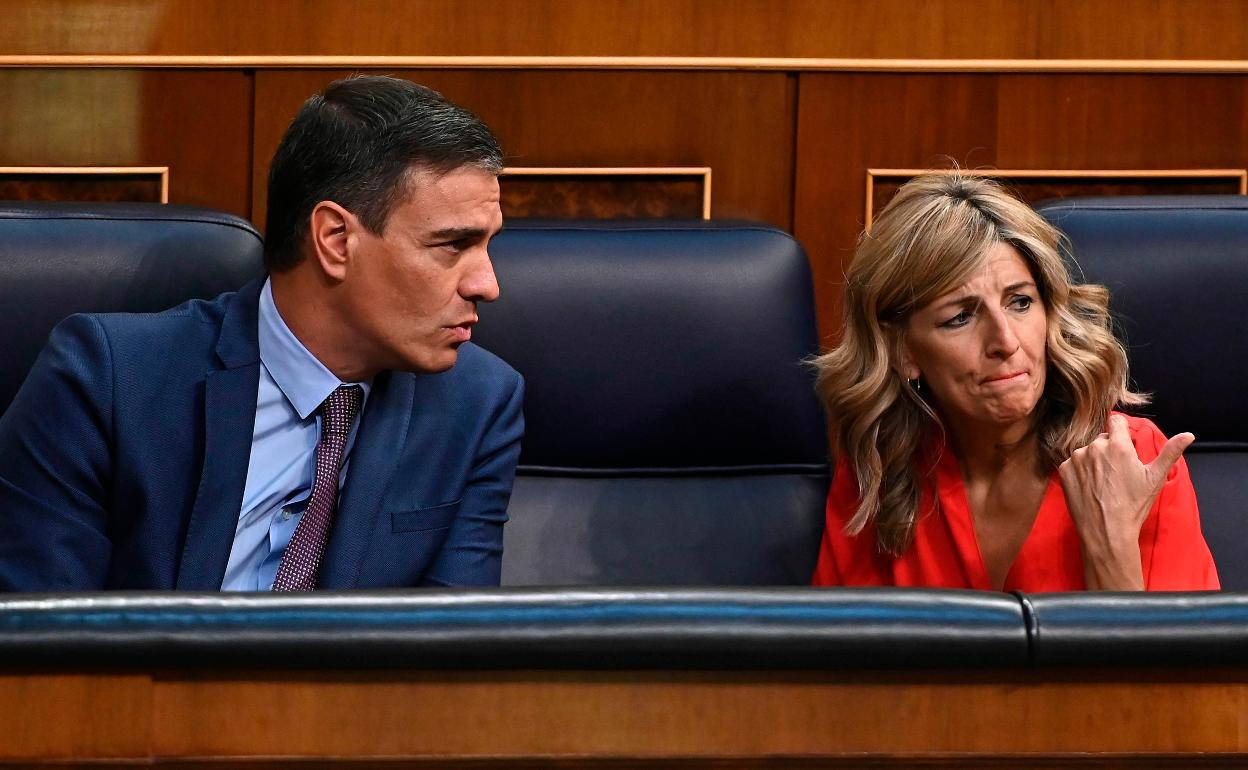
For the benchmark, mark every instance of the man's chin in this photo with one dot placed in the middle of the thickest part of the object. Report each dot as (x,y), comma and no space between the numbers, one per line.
(442,362)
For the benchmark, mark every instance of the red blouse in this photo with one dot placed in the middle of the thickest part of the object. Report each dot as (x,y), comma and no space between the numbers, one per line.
(945,553)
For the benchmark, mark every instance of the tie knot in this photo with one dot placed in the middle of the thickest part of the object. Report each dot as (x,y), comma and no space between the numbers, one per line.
(339,410)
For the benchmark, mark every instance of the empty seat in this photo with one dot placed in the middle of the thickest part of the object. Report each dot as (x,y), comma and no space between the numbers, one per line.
(673,436)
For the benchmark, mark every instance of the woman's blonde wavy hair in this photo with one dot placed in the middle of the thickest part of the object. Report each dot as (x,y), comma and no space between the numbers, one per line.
(930,239)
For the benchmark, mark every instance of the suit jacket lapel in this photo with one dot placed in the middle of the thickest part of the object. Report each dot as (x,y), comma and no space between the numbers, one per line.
(378,446)
(229,420)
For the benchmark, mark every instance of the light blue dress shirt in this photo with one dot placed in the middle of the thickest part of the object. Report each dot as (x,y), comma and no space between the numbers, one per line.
(293,383)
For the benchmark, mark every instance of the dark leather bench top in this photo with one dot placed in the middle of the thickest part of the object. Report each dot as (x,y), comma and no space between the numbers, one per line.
(1149,630)
(621,628)
(790,628)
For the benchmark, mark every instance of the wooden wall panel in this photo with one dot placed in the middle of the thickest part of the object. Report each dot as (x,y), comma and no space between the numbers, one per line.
(68,185)
(195,122)
(850,122)
(1132,29)
(1035,185)
(1123,121)
(785,148)
(740,124)
(604,196)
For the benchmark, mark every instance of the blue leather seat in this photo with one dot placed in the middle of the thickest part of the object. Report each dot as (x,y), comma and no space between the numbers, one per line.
(1177,271)
(57,259)
(672,432)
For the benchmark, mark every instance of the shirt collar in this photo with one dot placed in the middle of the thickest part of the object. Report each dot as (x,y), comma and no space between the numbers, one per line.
(303,379)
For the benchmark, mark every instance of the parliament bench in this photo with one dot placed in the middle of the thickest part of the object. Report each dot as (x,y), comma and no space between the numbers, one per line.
(666,515)
(673,437)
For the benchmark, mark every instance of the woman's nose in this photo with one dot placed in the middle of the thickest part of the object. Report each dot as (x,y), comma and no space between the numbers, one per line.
(1002,342)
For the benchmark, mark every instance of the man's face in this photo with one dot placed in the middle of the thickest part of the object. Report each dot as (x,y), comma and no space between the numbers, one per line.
(413,290)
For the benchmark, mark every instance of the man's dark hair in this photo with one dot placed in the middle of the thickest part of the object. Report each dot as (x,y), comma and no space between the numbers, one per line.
(354,144)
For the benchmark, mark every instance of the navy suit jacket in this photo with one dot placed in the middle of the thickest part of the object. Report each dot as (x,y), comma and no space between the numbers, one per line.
(124,456)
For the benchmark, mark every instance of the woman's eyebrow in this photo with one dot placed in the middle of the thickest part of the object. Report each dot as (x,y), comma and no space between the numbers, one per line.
(1016,286)
(963,301)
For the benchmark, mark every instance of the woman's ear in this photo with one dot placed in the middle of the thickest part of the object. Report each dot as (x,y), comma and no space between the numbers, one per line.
(900,358)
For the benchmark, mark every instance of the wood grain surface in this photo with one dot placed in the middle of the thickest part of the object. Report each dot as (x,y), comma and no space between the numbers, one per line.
(789,148)
(198,123)
(1003,29)
(739,124)
(849,123)
(624,715)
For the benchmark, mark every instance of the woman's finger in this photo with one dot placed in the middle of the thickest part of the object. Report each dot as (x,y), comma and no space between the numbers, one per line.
(1170,454)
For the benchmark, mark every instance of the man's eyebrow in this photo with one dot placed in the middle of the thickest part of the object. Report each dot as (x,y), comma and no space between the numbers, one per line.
(457,233)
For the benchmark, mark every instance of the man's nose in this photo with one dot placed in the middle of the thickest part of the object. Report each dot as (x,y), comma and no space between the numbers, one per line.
(479,283)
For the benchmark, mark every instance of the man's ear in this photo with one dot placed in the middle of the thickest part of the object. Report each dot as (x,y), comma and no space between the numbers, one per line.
(332,230)
(899,353)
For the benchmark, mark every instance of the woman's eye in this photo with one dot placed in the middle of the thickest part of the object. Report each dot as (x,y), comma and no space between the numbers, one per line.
(1021,302)
(959,320)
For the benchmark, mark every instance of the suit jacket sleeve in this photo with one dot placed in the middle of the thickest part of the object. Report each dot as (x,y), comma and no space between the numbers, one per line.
(472,553)
(55,466)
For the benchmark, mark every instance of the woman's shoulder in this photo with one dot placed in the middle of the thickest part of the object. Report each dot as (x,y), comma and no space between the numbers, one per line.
(1146,436)
(1139,425)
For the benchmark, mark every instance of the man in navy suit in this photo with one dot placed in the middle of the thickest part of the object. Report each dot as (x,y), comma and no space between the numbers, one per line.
(330,426)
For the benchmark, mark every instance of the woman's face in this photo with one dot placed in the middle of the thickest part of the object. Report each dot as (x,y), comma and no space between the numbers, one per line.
(980,349)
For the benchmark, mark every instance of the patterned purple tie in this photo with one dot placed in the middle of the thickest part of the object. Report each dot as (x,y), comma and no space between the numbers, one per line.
(302,558)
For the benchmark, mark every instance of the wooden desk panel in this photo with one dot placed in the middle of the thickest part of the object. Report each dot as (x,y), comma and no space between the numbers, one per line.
(712,719)
(57,716)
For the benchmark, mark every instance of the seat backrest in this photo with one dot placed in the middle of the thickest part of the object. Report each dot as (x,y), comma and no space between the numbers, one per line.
(1177,271)
(57,259)
(672,432)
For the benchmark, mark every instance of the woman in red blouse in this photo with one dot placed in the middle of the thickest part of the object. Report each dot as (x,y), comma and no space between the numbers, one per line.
(972,400)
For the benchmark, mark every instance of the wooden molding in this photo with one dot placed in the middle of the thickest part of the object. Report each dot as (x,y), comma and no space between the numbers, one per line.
(128,61)
(161,171)
(704,172)
(1237,175)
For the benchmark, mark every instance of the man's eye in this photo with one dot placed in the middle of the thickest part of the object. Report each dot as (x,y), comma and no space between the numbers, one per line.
(959,320)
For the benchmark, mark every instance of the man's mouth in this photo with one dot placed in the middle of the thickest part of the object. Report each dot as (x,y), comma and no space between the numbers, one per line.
(462,332)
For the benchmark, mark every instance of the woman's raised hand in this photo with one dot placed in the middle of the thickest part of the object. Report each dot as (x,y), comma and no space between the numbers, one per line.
(1109,493)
